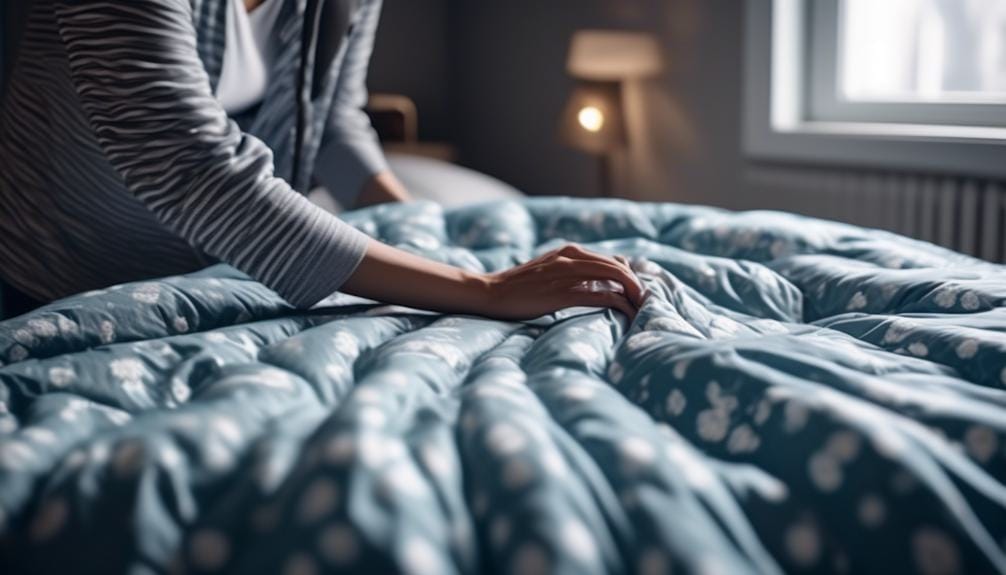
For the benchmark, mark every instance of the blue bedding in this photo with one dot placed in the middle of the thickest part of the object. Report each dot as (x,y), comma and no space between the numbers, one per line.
(795,395)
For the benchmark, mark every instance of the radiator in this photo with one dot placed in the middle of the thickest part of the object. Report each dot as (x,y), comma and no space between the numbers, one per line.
(964,214)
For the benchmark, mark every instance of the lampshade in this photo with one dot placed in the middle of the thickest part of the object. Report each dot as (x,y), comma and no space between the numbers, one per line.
(593,120)
(610,55)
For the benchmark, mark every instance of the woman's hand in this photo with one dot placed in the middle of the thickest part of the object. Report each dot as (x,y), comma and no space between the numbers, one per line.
(567,277)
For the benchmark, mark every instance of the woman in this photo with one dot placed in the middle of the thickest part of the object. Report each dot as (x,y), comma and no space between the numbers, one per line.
(143,138)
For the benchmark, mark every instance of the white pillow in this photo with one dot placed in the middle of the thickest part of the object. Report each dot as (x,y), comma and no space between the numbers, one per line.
(448,184)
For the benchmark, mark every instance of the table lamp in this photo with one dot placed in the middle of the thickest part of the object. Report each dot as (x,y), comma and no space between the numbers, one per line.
(594,118)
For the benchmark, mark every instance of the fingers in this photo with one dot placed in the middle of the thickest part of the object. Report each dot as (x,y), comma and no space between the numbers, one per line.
(577,252)
(592,269)
(607,299)
(573,251)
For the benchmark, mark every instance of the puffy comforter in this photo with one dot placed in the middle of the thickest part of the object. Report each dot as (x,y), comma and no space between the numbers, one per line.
(795,395)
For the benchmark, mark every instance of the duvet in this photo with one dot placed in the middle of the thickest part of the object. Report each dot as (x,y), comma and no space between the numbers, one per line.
(795,395)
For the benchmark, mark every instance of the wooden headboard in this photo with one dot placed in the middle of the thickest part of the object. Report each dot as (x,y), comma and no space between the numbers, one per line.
(395,118)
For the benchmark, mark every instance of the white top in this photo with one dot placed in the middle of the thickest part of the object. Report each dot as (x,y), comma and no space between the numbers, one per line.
(247,55)
(349,153)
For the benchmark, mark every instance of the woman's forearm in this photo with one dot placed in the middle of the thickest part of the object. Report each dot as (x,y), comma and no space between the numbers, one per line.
(569,276)
(395,276)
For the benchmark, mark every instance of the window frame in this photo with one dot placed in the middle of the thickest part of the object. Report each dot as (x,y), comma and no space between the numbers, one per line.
(780,122)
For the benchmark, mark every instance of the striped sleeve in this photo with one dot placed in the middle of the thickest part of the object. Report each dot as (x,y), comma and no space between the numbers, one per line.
(136,69)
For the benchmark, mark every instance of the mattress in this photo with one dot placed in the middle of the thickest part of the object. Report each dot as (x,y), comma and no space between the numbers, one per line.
(795,395)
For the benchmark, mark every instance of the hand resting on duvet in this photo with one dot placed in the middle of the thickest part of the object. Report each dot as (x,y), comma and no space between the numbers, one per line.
(567,277)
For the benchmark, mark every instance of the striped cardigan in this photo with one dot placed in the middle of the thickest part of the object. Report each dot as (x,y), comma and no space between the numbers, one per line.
(117,163)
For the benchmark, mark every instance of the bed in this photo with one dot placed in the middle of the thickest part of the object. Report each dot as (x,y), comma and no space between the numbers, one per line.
(796,395)
(434,180)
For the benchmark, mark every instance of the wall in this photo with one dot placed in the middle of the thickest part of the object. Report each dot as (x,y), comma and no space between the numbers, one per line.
(12,14)
(3,50)
(508,68)
(9,32)
(410,57)
(507,61)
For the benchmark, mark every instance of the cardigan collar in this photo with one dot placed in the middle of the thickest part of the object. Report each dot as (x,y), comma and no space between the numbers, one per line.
(320,25)
(210,20)
(310,17)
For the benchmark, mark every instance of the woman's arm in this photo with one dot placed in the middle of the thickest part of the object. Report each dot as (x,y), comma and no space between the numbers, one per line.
(560,279)
(143,87)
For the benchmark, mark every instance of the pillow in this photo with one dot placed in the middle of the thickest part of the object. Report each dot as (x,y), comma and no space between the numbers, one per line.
(448,184)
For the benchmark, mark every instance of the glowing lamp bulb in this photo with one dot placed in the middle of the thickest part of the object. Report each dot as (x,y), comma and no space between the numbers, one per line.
(591,119)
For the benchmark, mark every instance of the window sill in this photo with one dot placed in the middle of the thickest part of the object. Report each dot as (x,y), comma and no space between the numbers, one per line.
(903,132)
(928,149)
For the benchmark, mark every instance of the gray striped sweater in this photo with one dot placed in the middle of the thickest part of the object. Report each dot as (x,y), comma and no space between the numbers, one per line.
(117,163)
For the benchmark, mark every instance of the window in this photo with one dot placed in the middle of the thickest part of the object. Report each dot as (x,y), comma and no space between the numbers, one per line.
(924,50)
(908,61)
(891,83)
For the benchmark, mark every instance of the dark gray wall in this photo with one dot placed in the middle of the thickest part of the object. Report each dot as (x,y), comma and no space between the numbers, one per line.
(509,85)
(12,13)
(410,57)
(3,51)
(508,68)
